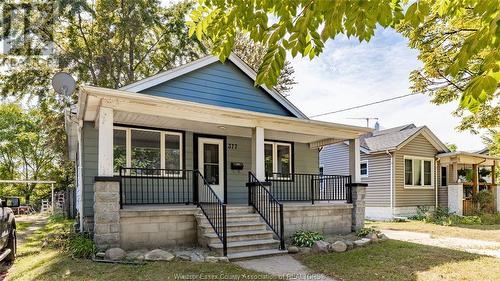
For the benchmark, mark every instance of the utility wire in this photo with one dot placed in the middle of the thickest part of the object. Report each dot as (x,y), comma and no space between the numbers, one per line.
(362,105)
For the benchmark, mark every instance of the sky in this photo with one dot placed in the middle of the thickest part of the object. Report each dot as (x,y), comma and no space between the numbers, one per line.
(349,73)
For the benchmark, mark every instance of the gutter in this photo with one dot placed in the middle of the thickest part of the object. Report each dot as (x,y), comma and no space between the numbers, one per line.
(436,186)
(391,183)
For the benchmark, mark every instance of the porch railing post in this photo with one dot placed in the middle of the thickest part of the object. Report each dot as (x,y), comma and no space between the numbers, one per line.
(312,189)
(282,229)
(224,230)
(120,188)
(195,187)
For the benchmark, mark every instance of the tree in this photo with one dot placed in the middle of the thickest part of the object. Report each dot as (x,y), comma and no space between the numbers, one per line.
(440,42)
(28,149)
(108,43)
(303,26)
(253,54)
(451,146)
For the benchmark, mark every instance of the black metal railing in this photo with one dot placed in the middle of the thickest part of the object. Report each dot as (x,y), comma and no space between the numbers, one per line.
(269,208)
(310,187)
(156,186)
(213,208)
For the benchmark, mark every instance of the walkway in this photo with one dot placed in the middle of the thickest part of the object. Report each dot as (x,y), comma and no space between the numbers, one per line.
(481,247)
(285,267)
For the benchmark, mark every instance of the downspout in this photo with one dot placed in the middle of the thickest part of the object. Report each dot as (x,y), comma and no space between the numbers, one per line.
(391,189)
(438,184)
(79,171)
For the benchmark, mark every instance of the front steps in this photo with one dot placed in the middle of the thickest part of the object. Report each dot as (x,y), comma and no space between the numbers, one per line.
(247,235)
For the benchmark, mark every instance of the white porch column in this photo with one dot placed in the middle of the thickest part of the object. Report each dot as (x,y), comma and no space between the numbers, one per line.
(105,142)
(455,198)
(258,166)
(354,160)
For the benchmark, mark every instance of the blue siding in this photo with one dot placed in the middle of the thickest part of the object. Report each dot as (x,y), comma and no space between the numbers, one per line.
(221,85)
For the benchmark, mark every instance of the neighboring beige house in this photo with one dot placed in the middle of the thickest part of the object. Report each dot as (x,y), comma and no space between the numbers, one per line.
(399,166)
(407,167)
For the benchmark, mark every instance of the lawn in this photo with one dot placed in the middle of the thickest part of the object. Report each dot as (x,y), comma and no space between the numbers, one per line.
(480,232)
(51,263)
(396,260)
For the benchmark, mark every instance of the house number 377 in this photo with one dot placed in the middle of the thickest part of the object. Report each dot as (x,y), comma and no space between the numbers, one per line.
(232,146)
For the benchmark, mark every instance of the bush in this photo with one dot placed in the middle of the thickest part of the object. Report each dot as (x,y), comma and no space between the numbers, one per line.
(366,230)
(304,238)
(484,199)
(81,245)
(422,213)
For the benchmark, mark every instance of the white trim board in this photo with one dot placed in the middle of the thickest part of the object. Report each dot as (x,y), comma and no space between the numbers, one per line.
(197,64)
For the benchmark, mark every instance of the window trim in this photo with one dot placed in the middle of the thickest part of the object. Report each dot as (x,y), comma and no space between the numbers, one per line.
(275,157)
(422,176)
(367,169)
(128,145)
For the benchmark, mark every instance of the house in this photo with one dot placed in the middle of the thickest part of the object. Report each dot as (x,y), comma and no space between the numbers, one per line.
(199,155)
(408,167)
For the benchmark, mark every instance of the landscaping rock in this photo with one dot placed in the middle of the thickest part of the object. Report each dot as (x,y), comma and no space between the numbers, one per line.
(100,255)
(135,256)
(338,247)
(383,237)
(305,250)
(362,242)
(372,236)
(320,247)
(115,254)
(293,249)
(350,244)
(197,257)
(216,259)
(158,255)
(183,255)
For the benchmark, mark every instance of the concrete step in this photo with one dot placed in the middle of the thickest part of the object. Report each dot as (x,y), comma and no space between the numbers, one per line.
(236,226)
(239,209)
(255,254)
(240,236)
(245,246)
(233,217)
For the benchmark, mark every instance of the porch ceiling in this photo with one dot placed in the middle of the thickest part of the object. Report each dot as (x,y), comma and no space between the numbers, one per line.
(145,110)
(461,157)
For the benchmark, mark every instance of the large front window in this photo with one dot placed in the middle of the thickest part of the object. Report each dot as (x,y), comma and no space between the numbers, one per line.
(146,149)
(418,172)
(278,158)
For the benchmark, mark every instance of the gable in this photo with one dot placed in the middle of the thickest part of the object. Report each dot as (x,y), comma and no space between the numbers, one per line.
(220,85)
(419,146)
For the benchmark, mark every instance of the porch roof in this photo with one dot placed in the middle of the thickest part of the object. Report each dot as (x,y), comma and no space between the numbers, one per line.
(146,110)
(463,157)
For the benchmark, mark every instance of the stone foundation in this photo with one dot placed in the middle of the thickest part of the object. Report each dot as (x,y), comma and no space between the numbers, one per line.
(106,213)
(149,228)
(326,218)
(358,205)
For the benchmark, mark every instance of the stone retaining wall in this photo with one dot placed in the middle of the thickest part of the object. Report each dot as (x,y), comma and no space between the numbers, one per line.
(322,217)
(175,226)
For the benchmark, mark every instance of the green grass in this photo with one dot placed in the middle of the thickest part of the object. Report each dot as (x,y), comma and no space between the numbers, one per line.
(22,225)
(52,263)
(396,260)
(479,231)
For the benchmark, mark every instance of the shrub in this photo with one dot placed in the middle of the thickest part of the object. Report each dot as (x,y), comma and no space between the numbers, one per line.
(81,245)
(422,213)
(484,199)
(366,230)
(304,238)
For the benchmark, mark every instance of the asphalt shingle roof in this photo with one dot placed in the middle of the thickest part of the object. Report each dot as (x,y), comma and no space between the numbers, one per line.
(388,139)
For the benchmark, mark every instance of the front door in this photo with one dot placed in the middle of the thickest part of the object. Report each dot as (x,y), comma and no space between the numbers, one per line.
(211,163)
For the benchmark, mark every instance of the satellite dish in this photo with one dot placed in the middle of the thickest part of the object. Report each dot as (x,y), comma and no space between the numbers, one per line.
(63,83)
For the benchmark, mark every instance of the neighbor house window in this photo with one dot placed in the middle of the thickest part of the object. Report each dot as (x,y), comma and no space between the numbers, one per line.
(364,168)
(418,171)
(278,159)
(149,150)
